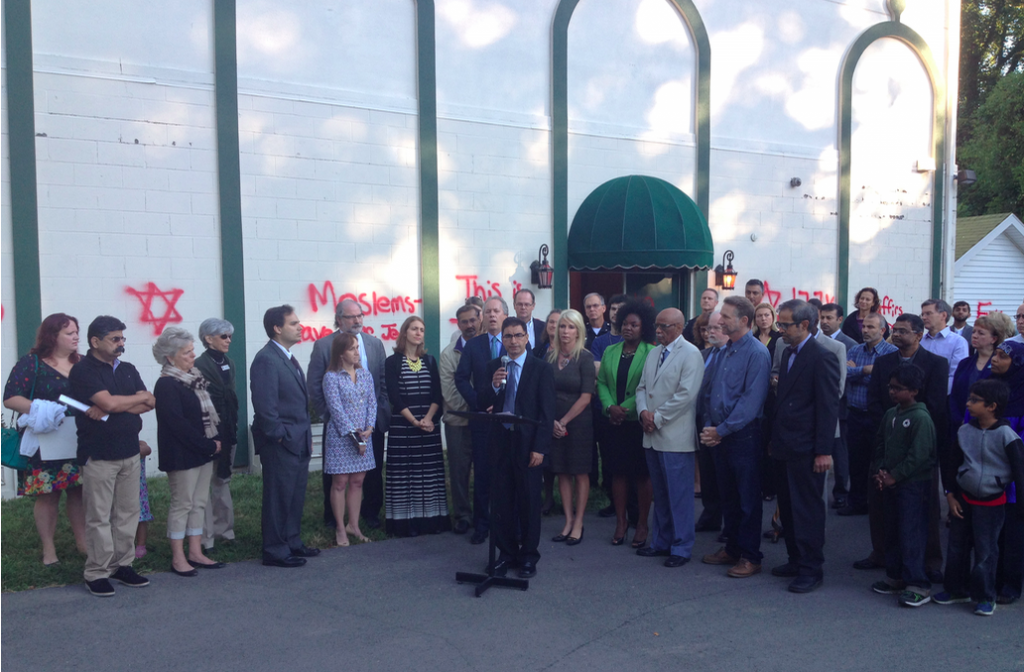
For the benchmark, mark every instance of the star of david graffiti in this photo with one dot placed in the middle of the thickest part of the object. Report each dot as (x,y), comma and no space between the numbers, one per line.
(149,315)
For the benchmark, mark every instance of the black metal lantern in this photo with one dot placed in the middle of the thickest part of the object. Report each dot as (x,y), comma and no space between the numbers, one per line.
(541,273)
(725,276)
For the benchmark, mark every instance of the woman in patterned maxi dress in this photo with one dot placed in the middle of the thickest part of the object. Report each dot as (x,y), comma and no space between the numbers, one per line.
(415,498)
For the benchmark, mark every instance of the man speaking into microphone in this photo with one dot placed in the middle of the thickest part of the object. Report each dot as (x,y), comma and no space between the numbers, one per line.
(524,386)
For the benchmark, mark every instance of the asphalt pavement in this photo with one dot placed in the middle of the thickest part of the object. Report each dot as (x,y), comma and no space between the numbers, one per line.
(395,605)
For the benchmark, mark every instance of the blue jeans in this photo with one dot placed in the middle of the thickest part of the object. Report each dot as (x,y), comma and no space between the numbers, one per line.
(906,533)
(738,466)
(672,480)
(979,529)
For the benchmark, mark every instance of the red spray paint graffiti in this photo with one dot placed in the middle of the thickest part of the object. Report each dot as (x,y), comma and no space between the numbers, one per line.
(774,297)
(148,316)
(372,303)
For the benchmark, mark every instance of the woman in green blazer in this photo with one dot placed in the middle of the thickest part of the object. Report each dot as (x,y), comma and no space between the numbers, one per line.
(621,367)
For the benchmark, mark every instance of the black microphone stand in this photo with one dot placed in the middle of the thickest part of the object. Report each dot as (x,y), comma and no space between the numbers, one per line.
(485,581)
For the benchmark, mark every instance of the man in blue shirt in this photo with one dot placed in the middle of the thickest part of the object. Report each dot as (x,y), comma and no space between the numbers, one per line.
(860,429)
(732,427)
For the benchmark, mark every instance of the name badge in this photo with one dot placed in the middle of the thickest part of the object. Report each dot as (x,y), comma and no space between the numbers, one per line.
(225,367)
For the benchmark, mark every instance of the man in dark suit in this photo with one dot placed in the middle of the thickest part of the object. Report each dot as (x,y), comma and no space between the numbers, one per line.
(348,317)
(830,321)
(524,302)
(907,332)
(472,378)
(283,438)
(525,386)
(803,436)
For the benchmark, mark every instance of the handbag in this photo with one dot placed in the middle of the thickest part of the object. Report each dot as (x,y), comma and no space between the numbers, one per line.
(11,444)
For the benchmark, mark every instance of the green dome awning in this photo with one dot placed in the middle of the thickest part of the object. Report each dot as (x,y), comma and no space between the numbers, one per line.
(639,222)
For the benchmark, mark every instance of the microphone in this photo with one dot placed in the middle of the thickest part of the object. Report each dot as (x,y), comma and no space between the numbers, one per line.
(505,359)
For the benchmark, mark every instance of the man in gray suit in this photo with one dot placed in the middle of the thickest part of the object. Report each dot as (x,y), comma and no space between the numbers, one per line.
(283,438)
(666,401)
(830,321)
(348,317)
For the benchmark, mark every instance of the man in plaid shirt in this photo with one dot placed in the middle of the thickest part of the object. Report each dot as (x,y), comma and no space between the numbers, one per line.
(861,431)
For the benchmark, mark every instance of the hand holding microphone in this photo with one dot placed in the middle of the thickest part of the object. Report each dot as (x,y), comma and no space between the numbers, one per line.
(505,359)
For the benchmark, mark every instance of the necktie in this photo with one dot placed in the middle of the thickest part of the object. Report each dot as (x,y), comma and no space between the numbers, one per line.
(791,351)
(494,347)
(510,390)
(664,354)
(295,363)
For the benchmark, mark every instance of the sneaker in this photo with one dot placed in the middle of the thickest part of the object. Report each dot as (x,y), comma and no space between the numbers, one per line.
(985,608)
(129,577)
(886,588)
(950,598)
(100,588)
(909,598)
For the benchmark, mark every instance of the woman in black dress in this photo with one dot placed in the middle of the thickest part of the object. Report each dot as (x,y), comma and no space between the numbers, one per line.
(622,365)
(43,374)
(573,442)
(549,337)
(416,500)
(867,302)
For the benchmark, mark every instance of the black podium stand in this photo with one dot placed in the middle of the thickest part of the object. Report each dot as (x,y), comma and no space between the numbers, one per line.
(485,581)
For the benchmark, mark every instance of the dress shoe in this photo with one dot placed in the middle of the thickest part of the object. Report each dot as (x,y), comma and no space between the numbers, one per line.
(840,502)
(499,568)
(290,561)
(722,538)
(213,565)
(575,541)
(559,538)
(461,527)
(853,510)
(743,569)
(528,570)
(868,563)
(651,552)
(189,573)
(790,569)
(607,512)
(372,523)
(720,557)
(805,584)
(548,509)
(305,552)
(619,541)
(478,538)
(676,561)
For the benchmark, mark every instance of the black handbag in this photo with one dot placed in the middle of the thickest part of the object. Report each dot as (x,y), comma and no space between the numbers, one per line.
(11,445)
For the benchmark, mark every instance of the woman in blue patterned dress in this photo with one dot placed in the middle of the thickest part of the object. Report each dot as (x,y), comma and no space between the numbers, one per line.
(415,501)
(348,452)
(43,374)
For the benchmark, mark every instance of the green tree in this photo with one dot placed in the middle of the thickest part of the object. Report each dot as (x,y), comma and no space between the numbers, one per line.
(995,151)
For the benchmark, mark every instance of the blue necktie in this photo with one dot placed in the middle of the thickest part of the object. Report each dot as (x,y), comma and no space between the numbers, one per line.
(664,355)
(494,347)
(510,390)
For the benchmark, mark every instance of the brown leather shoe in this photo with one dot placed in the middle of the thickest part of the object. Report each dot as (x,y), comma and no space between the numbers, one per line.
(720,557)
(743,569)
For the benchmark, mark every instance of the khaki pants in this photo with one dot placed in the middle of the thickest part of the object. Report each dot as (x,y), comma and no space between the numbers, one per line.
(110,492)
(190,488)
(220,512)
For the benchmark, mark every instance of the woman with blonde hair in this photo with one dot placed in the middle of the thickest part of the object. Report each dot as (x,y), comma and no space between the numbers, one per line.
(415,497)
(572,447)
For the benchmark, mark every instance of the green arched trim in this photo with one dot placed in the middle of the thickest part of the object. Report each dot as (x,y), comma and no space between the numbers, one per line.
(909,37)
(560,130)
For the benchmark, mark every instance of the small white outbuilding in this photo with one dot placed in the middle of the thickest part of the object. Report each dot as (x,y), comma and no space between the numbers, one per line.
(989,270)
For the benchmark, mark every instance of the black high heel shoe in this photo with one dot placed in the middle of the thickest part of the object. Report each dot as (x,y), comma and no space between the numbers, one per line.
(572,541)
(619,541)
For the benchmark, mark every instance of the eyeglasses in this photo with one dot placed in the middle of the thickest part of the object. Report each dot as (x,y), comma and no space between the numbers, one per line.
(665,327)
(974,399)
(785,325)
(515,336)
(116,339)
(225,337)
(1019,316)
(897,388)
(902,332)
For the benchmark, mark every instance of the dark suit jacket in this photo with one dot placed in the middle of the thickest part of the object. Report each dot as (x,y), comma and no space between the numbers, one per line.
(280,403)
(320,361)
(471,375)
(807,406)
(934,395)
(535,399)
(539,326)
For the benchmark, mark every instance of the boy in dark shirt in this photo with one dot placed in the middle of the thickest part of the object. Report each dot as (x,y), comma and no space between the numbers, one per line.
(902,467)
(985,460)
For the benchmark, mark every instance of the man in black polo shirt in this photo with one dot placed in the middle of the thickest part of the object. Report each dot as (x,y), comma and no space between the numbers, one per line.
(108,451)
